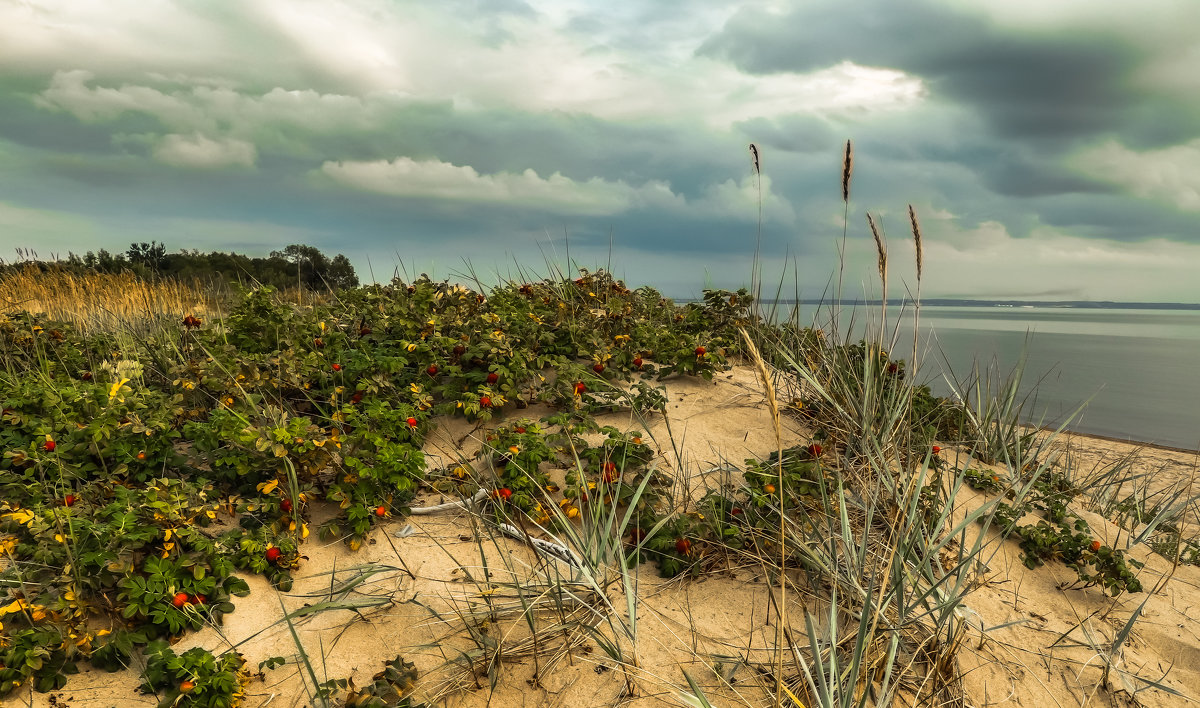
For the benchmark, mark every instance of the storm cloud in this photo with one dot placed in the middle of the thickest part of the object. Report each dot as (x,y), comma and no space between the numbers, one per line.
(502,133)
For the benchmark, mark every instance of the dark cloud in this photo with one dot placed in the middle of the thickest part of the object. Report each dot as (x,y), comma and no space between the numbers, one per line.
(1047,86)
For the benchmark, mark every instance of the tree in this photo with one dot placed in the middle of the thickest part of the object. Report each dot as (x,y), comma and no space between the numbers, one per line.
(151,255)
(314,268)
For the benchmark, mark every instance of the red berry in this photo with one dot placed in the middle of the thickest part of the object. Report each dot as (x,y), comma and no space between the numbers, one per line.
(814,450)
(610,472)
(598,368)
(701,351)
(580,389)
(493,377)
(337,367)
(637,363)
(412,422)
(380,511)
(520,429)
(273,554)
(505,493)
(936,449)
(69,500)
(286,505)
(180,599)
(1095,546)
(486,401)
(683,546)
(186,686)
(357,397)
(49,446)
(199,599)
(735,511)
(432,370)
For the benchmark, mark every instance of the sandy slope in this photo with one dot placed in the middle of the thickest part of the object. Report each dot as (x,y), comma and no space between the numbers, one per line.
(431,580)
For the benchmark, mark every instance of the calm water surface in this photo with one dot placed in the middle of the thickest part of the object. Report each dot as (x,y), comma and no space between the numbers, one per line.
(1137,370)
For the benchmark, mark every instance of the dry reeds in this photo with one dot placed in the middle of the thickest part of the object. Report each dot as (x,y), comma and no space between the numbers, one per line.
(96,302)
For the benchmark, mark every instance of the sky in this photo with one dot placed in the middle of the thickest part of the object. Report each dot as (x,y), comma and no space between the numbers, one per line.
(1050,148)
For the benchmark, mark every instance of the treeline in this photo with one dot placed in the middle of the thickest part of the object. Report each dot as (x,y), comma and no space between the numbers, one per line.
(296,265)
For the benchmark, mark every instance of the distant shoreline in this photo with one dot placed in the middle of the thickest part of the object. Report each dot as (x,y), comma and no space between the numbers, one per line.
(951,302)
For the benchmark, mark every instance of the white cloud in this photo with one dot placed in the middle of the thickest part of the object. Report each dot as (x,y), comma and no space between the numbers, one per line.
(441,180)
(370,50)
(1171,174)
(195,150)
(433,179)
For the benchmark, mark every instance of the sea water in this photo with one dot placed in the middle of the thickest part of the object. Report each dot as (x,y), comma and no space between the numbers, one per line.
(1124,373)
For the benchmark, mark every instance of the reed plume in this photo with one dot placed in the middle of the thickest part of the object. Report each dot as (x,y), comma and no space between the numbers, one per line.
(916,232)
(847,170)
(881,251)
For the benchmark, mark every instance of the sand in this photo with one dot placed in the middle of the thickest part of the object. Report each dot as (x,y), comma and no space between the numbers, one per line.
(1035,647)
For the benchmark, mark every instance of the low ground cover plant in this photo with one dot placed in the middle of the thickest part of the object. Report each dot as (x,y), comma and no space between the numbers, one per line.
(141,472)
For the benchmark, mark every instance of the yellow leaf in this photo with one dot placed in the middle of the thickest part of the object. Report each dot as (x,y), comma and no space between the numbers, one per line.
(303,530)
(167,535)
(268,487)
(23,517)
(210,514)
(16,606)
(292,526)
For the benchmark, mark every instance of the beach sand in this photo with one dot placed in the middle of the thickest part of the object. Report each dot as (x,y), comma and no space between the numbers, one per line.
(1035,643)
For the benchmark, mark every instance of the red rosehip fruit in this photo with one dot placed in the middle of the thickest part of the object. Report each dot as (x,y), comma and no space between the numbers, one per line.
(505,493)
(49,446)
(580,389)
(286,505)
(936,449)
(683,546)
(493,377)
(337,367)
(69,500)
(412,422)
(180,599)
(432,370)
(815,450)
(199,599)
(272,554)
(637,362)
(598,368)
(610,472)
(380,511)
(701,351)
(486,401)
